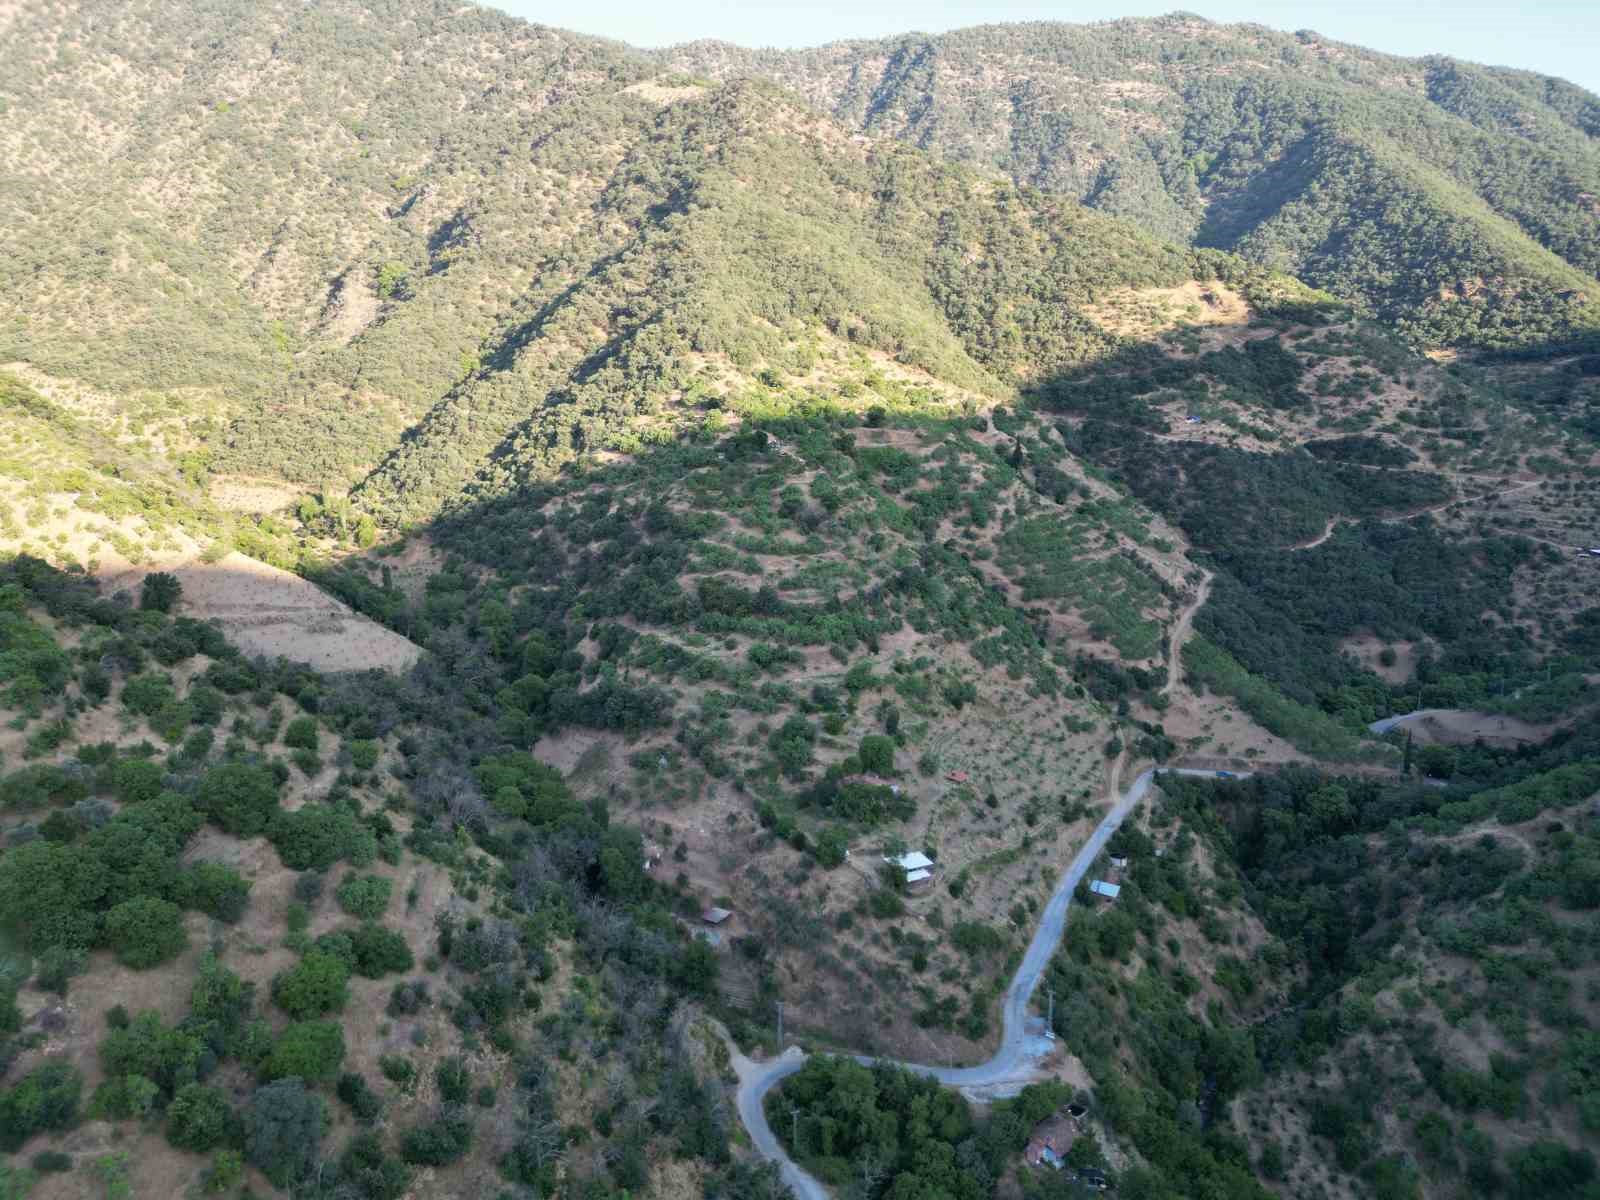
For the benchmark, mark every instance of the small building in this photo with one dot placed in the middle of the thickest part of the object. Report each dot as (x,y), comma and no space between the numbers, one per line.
(1050,1141)
(654,852)
(1119,863)
(957,777)
(1104,890)
(715,916)
(1041,1154)
(918,868)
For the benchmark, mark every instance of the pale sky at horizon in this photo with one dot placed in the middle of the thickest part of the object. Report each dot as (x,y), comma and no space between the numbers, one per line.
(1554,37)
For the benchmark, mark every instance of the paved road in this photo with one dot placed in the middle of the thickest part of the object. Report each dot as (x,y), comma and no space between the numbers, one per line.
(1015,1061)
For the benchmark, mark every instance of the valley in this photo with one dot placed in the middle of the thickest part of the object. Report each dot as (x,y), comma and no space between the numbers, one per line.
(566,611)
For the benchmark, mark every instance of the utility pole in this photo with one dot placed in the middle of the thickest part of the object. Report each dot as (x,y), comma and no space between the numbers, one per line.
(794,1140)
(780,1026)
(1050,1021)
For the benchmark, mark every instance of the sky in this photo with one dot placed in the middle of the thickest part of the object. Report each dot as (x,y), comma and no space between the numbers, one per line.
(1556,37)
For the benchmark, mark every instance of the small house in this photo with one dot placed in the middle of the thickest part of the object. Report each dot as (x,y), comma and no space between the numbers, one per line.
(715,916)
(1104,890)
(1049,1143)
(1119,863)
(957,776)
(654,852)
(918,868)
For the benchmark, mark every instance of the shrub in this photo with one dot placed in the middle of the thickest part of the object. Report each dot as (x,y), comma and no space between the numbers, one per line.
(51,1162)
(454,1080)
(885,903)
(365,1103)
(407,998)
(145,931)
(364,754)
(240,798)
(398,1070)
(200,1119)
(364,896)
(224,1174)
(57,968)
(159,592)
(216,890)
(319,835)
(438,1144)
(830,846)
(136,779)
(47,1099)
(169,1058)
(877,754)
(301,734)
(377,952)
(367,1171)
(283,1130)
(317,984)
(124,1096)
(148,694)
(307,1050)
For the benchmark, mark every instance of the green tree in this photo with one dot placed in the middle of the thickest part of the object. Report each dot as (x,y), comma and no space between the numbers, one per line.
(240,798)
(283,1130)
(159,592)
(145,931)
(199,1118)
(317,984)
(311,1050)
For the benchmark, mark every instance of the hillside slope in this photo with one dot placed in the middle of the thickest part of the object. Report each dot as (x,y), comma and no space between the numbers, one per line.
(1455,200)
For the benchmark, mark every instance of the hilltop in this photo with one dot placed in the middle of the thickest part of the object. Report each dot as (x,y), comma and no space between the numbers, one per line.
(1455,201)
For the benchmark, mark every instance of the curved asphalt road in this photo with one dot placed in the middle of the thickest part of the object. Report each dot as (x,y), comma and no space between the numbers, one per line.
(1013,1064)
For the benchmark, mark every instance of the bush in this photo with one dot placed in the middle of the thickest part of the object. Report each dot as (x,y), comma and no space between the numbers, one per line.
(301,734)
(377,952)
(398,1070)
(407,998)
(51,1162)
(317,984)
(145,931)
(47,1099)
(454,1080)
(137,779)
(364,896)
(830,846)
(877,754)
(168,1058)
(283,1131)
(200,1119)
(58,966)
(363,754)
(215,890)
(885,903)
(311,1050)
(319,835)
(148,694)
(240,798)
(159,592)
(372,1173)
(365,1103)
(438,1144)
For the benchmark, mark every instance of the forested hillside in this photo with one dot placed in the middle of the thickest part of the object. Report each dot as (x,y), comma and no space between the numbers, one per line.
(508,543)
(1457,201)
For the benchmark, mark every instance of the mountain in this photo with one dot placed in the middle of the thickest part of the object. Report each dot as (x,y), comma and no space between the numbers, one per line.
(475,499)
(1456,202)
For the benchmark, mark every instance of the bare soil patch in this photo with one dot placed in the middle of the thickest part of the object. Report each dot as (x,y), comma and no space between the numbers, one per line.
(267,611)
